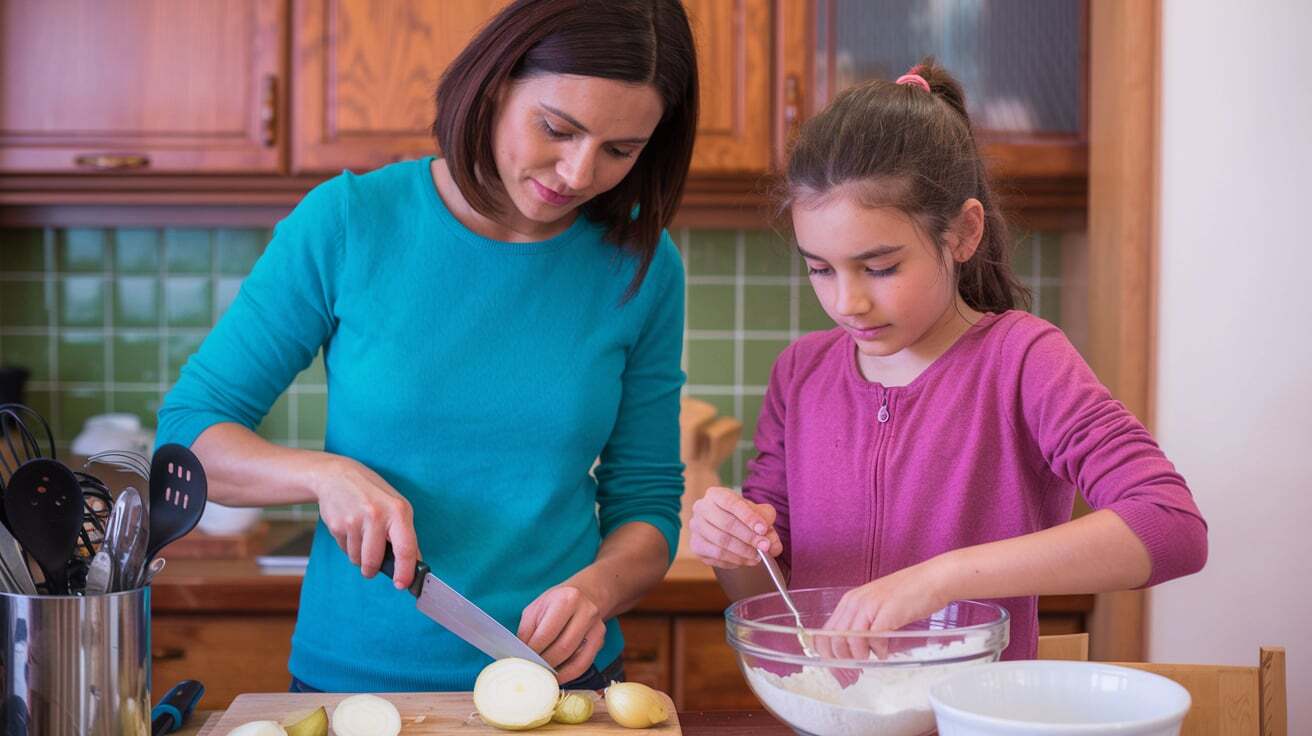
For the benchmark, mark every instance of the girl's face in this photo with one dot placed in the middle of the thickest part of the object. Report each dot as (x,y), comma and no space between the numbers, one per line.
(561,140)
(878,276)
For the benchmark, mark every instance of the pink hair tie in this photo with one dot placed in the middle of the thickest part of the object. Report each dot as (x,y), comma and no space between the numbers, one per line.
(915,79)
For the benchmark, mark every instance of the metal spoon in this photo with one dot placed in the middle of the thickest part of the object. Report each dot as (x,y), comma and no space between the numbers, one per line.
(777,576)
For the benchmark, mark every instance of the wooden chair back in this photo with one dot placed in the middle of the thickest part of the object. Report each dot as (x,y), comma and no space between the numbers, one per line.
(1074,647)
(1229,700)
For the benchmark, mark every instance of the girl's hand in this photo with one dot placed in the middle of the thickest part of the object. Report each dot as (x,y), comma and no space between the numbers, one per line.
(364,513)
(564,625)
(888,603)
(727,529)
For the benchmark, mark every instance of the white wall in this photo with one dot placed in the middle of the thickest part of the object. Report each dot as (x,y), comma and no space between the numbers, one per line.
(1234,381)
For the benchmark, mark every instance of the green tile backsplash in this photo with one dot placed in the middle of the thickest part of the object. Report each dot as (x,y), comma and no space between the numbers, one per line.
(105,318)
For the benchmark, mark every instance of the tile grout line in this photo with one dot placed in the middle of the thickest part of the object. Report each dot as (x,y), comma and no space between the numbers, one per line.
(52,339)
(161,275)
(739,325)
(108,271)
(685,245)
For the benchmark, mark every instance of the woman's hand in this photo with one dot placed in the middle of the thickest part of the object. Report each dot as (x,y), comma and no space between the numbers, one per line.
(727,529)
(564,625)
(888,603)
(363,513)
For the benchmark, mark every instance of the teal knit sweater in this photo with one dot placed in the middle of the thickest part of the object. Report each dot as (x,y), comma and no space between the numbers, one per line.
(481,379)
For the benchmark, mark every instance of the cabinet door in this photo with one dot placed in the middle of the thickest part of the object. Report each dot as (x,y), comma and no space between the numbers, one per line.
(707,675)
(231,654)
(647,650)
(364,74)
(1023,67)
(733,56)
(149,85)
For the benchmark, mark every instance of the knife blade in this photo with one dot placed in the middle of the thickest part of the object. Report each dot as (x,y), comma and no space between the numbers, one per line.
(457,614)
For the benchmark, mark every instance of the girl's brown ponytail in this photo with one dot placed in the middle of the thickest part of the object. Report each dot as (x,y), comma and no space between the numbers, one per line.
(912,148)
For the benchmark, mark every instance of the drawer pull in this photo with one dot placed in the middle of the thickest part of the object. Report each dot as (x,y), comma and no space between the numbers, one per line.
(112,161)
(168,654)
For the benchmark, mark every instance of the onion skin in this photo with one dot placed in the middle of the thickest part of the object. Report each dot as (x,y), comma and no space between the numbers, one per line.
(634,705)
(314,723)
(573,708)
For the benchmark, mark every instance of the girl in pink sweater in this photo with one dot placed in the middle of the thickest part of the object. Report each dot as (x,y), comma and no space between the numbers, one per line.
(929,448)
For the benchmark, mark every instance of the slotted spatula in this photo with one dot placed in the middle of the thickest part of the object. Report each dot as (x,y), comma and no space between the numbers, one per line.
(43,503)
(177,496)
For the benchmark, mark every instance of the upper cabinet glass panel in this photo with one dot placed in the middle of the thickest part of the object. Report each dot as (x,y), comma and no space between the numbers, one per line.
(1021,61)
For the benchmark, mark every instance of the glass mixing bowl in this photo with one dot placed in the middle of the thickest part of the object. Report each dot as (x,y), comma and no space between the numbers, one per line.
(862,682)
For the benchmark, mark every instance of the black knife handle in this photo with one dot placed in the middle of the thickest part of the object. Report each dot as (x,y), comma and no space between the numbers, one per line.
(388,568)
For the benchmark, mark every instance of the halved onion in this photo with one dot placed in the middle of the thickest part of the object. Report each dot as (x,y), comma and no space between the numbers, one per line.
(515,694)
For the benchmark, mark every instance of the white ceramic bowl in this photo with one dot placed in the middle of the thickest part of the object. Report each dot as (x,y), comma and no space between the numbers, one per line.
(216,519)
(1057,699)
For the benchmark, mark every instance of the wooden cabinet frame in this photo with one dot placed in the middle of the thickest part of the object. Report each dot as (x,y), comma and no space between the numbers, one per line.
(1125,94)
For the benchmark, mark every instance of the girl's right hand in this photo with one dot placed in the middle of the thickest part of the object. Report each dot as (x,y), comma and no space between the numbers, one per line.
(727,529)
(363,513)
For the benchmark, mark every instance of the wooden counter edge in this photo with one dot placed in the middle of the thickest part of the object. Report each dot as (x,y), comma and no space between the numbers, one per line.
(692,723)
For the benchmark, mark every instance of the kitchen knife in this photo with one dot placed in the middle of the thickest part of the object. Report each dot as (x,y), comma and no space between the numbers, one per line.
(172,711)
(443,604)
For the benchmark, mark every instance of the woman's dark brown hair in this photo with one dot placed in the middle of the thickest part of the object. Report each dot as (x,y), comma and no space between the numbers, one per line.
(913,150)
(635,41)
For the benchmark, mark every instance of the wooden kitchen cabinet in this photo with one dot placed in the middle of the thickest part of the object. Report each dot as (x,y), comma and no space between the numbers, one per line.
(229,653)
(734,47)
(364,75)
(647,652)
(709,676)
(1024,69)
(145,86)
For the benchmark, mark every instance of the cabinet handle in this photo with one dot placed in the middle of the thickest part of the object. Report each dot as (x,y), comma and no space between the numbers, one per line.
(792,105)
(269,111)
(112,161)
(167,654)
(640,655)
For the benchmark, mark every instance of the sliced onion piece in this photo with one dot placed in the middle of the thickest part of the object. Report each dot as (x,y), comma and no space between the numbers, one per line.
(366,715)
(258,728)
(516,694)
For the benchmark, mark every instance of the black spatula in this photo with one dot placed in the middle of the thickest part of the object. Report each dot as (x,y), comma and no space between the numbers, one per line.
(177,496)
(43,503)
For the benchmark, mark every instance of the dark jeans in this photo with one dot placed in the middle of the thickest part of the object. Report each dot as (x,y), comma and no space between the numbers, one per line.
(591,680)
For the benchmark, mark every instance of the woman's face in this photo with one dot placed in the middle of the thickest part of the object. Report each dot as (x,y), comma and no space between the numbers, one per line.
(561,140)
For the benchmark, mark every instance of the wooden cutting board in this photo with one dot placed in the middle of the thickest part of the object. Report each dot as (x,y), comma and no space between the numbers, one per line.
(421,713)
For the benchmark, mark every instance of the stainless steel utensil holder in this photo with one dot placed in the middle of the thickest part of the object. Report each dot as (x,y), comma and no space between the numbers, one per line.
(75,665)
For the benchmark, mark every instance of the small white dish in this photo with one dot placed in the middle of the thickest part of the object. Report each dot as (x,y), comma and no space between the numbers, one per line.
(217,519)
(1057,698)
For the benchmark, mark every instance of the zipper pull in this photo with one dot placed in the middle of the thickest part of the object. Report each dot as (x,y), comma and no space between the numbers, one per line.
(883,410)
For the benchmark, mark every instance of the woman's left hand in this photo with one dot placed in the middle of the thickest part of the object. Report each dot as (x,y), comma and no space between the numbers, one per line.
(885,604)
(564,625)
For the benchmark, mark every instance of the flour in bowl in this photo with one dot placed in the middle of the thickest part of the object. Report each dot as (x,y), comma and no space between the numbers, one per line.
(889,701)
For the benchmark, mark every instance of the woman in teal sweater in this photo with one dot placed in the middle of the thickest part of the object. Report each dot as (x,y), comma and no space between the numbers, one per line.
(492,323)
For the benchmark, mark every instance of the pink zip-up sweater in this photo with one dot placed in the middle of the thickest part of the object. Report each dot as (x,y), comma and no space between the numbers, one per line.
(990,442)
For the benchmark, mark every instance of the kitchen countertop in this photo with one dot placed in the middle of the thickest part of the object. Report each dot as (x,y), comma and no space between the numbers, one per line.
(691,723)
(242,586)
